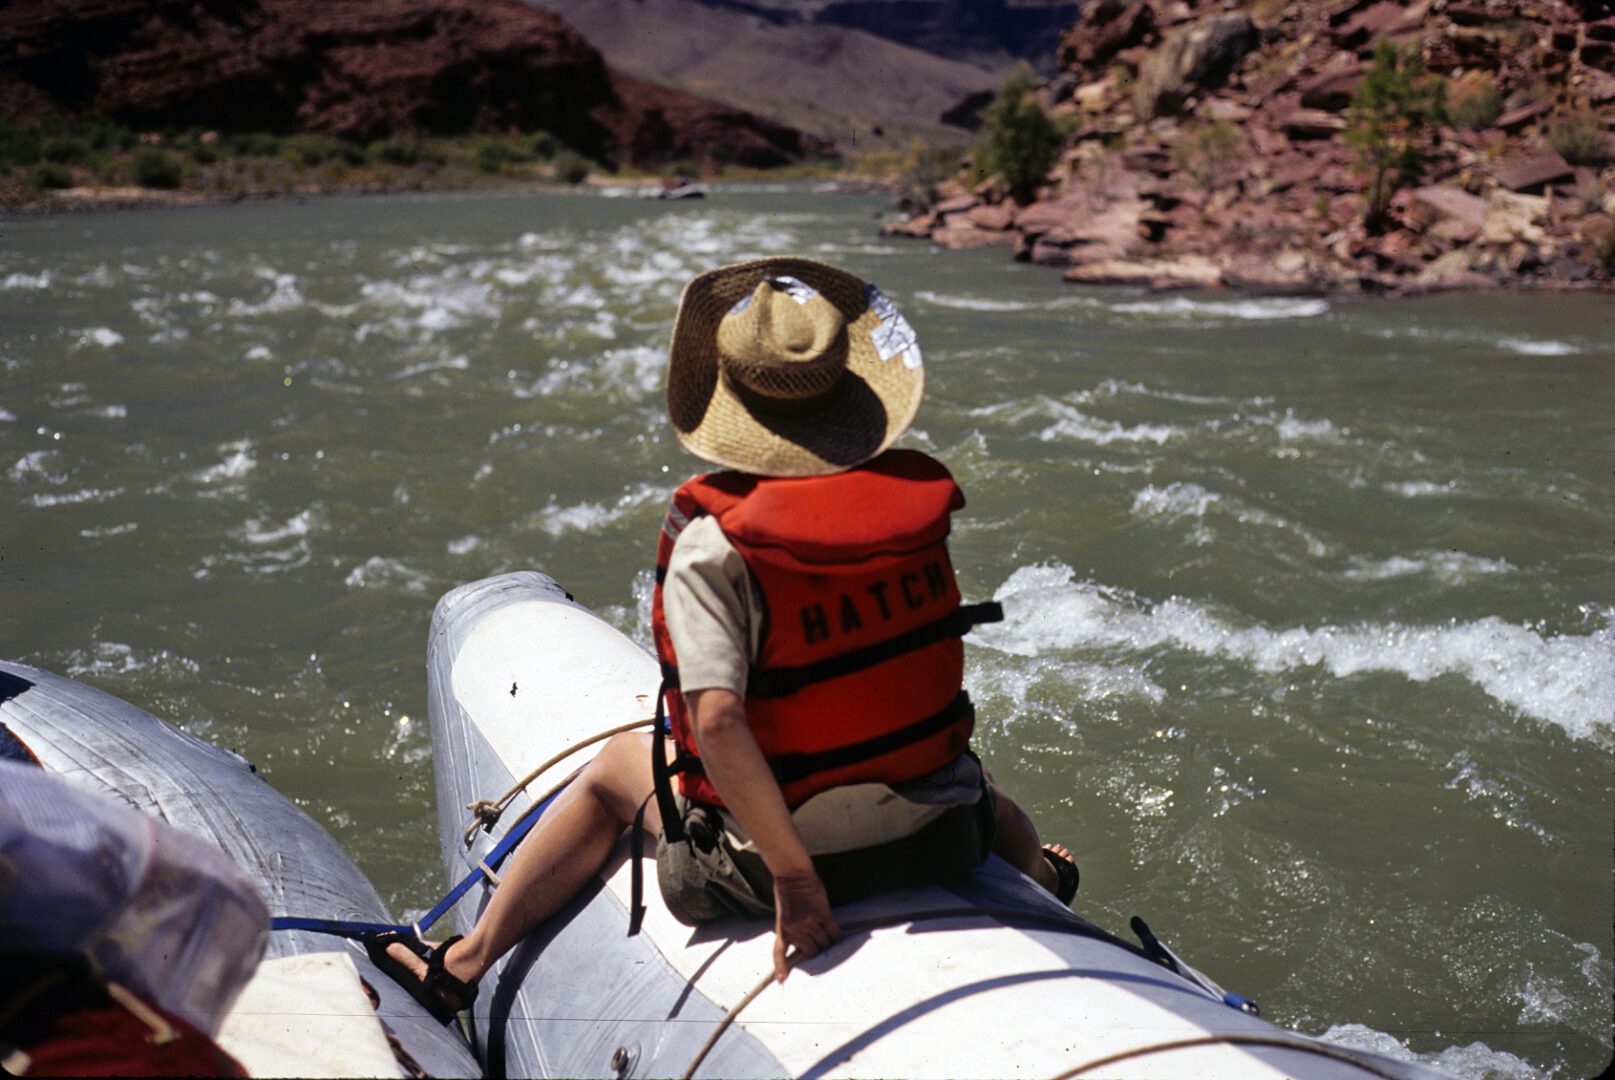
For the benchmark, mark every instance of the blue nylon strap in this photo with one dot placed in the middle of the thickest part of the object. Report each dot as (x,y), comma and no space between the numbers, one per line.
(334,926)
(362,929)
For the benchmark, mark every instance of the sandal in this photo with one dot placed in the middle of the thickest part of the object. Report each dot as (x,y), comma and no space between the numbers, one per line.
(1067,877)
(424,990)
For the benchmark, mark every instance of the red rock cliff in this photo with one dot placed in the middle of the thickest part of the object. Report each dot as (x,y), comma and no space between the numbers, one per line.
(360,69)
(1208,148)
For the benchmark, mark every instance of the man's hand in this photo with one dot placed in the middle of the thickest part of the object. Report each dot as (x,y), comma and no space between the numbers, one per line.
(802,919)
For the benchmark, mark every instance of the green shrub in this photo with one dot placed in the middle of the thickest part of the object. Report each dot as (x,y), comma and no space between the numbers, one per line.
(108,169)
(311,150)
(572,167)
(1475,104)
(1606,251)
(491,156)
(396,151)
(924,169)
(1579,138)
(156,168)
(1208,153)
(544,145)
(1392,112)
(18,145)
(108,135)
(254,144)
(64,149)
(1018,141)
(50,175)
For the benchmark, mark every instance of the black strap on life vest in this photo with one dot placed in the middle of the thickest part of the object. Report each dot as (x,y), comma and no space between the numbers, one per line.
(662,792)
(789,768)
(661,772)
(636,856)
(785,681)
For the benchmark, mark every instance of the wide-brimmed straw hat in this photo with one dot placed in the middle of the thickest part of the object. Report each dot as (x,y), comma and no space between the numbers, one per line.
(789,367)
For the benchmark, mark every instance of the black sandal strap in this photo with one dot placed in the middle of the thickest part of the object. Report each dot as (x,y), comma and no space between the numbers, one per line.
(438,977)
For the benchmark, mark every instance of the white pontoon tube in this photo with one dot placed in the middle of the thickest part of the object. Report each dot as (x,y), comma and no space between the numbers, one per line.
(98,742)
(989,978)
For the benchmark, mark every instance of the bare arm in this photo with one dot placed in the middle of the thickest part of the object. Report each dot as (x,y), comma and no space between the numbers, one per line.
(736,766)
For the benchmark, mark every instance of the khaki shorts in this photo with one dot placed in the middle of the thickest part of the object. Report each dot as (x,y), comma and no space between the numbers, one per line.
(705,876)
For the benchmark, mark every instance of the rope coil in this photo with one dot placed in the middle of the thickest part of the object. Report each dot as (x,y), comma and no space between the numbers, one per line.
(485,813)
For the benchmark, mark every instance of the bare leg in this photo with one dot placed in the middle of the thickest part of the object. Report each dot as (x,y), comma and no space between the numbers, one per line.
(568,845)
(1016,841)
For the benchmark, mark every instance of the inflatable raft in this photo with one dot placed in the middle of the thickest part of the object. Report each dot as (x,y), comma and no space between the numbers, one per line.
(97,742)
(989,978)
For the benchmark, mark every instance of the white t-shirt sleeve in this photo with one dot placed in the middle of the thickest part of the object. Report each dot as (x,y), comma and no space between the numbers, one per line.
(707,599)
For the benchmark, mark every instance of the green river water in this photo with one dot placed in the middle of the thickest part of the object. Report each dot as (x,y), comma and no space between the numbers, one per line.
(1309,650)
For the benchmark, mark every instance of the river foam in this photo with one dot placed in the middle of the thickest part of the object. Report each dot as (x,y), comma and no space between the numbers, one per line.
(1253,308)
(1564,680)
(1474,1060)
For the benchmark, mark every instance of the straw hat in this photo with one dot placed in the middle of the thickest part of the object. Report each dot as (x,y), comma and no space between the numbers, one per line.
(789,367)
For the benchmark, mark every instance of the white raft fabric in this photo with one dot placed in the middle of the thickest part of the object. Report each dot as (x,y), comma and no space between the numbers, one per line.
(97,743)
(307,1016)
(988,978)
(159,911)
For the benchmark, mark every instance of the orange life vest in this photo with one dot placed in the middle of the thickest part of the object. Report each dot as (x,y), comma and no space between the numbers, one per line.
(860,665)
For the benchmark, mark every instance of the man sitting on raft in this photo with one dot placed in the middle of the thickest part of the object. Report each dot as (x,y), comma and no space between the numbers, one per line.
(808,625)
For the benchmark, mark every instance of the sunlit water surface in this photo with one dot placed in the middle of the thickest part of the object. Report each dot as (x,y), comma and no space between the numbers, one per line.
(1308,650)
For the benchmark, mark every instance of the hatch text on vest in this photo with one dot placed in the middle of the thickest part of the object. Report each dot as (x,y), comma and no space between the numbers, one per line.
(876,601)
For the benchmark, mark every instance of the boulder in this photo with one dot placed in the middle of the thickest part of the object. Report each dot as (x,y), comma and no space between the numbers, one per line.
(1517,118)
(1599,87)
(1148,159)
(1472,14)
(1094,96)
(1044,253)
(1302,125)
(1369,25)
(956,204)
(1340,10)
(1454,270)
(1106,28)
(1182,272)
(1331,90)
(1511,218)
(996,217)
(1289,273)
(961,236)
(1193,58)
(1042,217)
(1534,174)
(918,227)
(1429,205)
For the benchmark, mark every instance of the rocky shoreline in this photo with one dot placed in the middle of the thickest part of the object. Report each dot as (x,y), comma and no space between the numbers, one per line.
(1209,148)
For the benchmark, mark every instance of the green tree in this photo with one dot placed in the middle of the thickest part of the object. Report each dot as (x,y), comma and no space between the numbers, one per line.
(1392,112)
(924,170)
(1019,141)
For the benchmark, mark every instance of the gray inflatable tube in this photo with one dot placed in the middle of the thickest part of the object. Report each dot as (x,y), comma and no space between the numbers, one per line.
(992,977)
(97,742)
